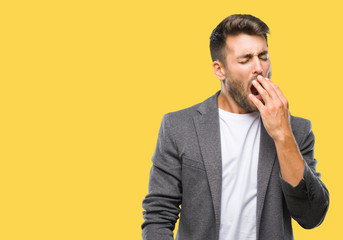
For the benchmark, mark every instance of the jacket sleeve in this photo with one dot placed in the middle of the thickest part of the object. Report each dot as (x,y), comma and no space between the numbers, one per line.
(162,204)
(307,202)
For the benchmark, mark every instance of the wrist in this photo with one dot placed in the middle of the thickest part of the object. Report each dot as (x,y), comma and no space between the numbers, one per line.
(284,136)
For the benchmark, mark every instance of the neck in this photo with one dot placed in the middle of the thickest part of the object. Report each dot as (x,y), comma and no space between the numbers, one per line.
(226,102)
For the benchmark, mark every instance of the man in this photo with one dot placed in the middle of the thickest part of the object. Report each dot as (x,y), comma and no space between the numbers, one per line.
(238,164)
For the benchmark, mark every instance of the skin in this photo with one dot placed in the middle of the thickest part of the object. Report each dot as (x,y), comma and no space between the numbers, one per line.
(247,64)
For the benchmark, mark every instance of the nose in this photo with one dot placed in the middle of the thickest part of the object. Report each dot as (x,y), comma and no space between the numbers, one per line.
(258,66)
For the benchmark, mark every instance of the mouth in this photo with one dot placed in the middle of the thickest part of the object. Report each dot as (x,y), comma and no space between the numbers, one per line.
(254,92)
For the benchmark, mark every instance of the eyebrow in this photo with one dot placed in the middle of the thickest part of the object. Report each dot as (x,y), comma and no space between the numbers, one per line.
(249,55)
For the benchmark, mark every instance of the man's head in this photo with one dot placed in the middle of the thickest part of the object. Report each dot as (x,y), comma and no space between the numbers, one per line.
(239,51)
(234,25)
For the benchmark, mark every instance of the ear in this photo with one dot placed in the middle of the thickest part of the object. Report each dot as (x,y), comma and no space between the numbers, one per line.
(218,70)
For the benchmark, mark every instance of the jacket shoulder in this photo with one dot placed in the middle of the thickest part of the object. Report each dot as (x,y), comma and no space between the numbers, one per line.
(301,128)
(188,113)
(184,113)
(299,123)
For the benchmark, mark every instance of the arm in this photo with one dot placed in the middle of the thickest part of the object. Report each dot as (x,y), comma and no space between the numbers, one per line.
(308,201)
(165,192)
(306,196)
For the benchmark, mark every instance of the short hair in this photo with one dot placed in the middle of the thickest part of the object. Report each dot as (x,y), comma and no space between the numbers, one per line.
(232,26)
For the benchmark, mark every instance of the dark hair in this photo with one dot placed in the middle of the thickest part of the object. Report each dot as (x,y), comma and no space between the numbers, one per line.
(231,26)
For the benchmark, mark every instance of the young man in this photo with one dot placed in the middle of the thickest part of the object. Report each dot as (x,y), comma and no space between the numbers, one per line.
(238,164)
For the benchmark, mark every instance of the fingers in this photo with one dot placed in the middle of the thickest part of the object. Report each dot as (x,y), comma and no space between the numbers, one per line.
(266,83)
(272,89)
(257,102)
(280,94)
(263,92)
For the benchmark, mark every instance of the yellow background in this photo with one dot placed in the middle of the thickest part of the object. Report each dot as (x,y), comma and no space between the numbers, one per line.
(84,86)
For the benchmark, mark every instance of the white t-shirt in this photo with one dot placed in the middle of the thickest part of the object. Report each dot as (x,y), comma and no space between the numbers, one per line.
(240,142)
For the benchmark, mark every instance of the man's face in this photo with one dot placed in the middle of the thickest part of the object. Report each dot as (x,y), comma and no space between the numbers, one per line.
(246,57)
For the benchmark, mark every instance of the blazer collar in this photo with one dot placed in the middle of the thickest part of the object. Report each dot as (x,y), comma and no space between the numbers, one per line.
(209,105)
(208,132)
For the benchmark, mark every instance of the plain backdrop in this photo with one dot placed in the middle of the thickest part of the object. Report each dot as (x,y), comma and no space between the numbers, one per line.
(84,86)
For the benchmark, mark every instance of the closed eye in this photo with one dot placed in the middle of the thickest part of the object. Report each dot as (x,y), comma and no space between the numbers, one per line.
(244,61)
(264,56)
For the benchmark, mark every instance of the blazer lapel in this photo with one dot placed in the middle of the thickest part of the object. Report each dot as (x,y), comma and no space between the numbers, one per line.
(266,162)
(208,132)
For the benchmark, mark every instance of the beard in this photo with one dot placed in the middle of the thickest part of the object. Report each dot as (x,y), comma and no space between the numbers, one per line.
(239,94)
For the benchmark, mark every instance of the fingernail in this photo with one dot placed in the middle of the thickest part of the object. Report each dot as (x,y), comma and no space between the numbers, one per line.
(259,77)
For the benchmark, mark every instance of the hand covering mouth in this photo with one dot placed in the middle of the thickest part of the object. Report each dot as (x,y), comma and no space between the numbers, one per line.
(253,90)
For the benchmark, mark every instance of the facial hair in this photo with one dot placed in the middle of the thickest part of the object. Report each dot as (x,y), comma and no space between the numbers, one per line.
(239,94)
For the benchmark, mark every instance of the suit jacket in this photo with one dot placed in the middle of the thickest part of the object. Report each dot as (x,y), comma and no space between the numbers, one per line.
(187,171)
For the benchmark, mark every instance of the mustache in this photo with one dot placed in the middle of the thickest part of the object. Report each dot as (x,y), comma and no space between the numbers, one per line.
(253,78)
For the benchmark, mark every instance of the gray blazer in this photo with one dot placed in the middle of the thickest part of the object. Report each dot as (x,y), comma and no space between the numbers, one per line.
(187,171)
